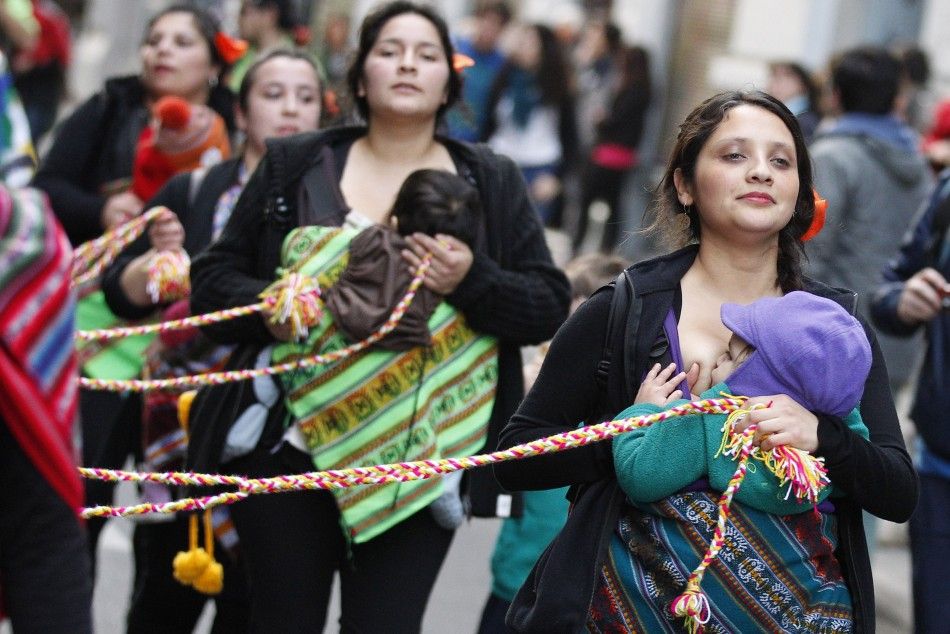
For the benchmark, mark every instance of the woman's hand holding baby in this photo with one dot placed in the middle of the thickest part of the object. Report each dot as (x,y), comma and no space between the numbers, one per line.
(782,422)
(451,260)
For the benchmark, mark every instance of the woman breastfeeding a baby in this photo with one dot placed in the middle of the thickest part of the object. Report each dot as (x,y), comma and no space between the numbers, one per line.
(729,312)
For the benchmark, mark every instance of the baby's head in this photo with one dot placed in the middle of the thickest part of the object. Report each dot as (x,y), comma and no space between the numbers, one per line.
(802,345)
(434,201)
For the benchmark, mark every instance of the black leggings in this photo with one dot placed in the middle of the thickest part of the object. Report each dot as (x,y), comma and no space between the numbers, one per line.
(600,183)
(44,564)
(293,544)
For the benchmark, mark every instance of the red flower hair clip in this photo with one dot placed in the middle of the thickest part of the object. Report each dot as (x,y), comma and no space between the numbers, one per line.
(818,220)
(231,49)
(460,62)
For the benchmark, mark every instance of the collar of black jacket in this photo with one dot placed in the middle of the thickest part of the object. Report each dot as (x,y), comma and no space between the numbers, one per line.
(663,273)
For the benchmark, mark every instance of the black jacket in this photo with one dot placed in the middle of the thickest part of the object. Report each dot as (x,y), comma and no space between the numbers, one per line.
(875,475)
(195,211)
(93,151)
(513,290)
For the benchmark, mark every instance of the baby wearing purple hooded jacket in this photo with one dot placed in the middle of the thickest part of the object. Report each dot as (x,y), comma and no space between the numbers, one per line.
(800,344)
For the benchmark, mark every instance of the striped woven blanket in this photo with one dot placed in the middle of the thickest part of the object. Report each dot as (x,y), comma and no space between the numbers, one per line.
(38,387)
(381,406)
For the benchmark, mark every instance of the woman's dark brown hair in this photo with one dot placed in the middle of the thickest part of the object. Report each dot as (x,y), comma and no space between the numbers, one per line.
(694,132)
(369,32)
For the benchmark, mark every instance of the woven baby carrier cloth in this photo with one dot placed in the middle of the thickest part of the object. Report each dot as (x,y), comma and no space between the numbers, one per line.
(380,406)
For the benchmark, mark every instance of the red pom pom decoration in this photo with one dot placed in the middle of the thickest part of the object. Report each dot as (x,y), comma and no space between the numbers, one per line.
(173,112)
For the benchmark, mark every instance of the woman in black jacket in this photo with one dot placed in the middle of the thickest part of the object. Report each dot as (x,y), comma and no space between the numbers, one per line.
(88,168)
(280,96)
(737,191)
(402,80)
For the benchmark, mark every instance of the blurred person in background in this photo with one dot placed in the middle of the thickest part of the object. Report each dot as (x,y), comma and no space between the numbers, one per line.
(336,54)
(87,173)
(264,24)
(596,60)
(870,170)
(523,539)
(915,295)
(531,115)
(36,38)
(467,119)
(614,154)
(916,100)
(794,86)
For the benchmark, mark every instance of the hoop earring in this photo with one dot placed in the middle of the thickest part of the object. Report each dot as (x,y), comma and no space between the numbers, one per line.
(683,220)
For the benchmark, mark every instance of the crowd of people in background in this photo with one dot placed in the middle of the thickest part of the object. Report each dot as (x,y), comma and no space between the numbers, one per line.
(538,128)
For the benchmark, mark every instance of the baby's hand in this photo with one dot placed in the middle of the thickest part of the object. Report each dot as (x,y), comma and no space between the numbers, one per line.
(659,386)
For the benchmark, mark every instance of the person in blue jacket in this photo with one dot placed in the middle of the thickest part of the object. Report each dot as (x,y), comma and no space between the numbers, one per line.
(916,294)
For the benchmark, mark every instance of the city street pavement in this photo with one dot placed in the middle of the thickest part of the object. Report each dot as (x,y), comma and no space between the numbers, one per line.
(455,605)
(463,584)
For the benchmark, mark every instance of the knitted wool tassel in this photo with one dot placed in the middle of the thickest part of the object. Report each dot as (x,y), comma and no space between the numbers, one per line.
(297,300)
(197,567)
(168,279)
(805,474)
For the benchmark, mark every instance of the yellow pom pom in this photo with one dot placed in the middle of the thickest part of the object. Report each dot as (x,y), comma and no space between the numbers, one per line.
(184,407)
(188,566)
(211,580)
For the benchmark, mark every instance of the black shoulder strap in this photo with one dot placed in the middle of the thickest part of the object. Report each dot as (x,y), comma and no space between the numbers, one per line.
(616,367)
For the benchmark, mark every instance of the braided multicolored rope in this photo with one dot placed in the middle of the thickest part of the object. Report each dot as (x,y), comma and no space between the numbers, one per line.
(292,289)
(379,474)
(692,604)
(91,258)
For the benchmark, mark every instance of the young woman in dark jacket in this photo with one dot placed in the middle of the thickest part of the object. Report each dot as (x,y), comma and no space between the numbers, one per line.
(738,186)
(87,172)
(508,287)
(280,96)
(89,166)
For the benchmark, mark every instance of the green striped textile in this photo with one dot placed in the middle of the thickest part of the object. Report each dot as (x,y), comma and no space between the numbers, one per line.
(380,406)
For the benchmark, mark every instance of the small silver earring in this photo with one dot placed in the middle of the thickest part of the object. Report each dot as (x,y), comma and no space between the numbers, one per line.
(212,81)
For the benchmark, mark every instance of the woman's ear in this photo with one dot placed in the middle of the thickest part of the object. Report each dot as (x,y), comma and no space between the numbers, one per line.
(683,193)
(360,89)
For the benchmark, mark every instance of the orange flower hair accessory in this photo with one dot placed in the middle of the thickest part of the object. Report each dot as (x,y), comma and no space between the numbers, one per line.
(460,62)
(818,221)
(231,49)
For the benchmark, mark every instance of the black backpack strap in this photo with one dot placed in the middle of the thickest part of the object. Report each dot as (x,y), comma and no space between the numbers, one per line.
(616,369)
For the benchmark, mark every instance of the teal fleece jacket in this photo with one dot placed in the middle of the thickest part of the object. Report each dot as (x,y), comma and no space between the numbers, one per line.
(657,461)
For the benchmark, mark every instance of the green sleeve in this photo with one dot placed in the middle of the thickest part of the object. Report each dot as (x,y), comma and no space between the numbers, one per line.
(656,461)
